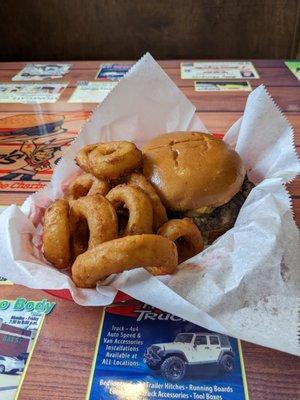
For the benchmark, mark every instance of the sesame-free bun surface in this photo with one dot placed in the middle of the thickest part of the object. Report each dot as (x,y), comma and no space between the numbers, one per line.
(191,170)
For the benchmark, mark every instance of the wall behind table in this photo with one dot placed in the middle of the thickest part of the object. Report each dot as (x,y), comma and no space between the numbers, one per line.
(125,29)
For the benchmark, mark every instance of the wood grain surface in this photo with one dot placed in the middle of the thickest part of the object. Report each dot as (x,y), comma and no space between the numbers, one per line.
(93,29)
(61,362)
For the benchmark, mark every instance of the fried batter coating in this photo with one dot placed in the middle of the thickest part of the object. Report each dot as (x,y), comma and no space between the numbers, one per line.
(109,160)
(149,251)
(185,234)
(139,206)
(56,237)
(100,217)
(159,211)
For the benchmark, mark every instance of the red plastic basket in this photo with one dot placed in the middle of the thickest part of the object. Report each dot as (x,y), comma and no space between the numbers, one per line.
(66,295)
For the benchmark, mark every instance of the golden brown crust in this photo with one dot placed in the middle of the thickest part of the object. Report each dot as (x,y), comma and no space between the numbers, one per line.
(56,237)
(139,206)
(159,211)
(100,186)
(115,256)
(86,184)
(101,220)
(190,170)
(109,160)
(178,229)
(79,238)
(82,157)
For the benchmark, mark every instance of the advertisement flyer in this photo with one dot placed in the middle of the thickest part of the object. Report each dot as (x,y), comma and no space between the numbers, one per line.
(227,86)
(4,281)
(218,70)
(113,72)
(31,93)
(143,353)
(32,144)
(38,72)
(20,324)
(294,66)
(91,92)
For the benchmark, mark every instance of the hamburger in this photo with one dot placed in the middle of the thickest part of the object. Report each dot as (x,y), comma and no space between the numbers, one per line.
(30,124)
(197,176)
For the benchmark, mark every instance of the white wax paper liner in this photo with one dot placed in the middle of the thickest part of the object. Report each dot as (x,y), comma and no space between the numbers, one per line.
(247,283)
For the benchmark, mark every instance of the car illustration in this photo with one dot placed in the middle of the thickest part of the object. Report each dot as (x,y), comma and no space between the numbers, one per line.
(190,349)
(10,364)
(23,357)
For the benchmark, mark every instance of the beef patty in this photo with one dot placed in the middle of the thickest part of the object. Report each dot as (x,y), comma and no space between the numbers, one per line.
(214,224)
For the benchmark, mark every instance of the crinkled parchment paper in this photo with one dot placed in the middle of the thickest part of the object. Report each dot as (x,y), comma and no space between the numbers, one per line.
(247,283)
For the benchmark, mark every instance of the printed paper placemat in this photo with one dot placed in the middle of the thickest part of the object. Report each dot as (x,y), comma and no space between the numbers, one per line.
(38,72)
(113,72)
(31,93)
(21,321)
(31,145)
(91,92)
(294,66)
(143,353)
(226,86)
(218,70)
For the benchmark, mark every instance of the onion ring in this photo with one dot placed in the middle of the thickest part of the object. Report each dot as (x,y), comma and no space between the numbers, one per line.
(101,219)
(82,156)
(139,205)
(86,184)
(56,237)
(109,160)
(123,254)
(80,237)
(185,234)
(159,211)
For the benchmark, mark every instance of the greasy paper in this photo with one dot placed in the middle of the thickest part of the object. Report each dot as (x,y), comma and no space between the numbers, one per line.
(247,283)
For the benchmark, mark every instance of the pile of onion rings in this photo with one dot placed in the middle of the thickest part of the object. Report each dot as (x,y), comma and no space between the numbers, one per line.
(112,220)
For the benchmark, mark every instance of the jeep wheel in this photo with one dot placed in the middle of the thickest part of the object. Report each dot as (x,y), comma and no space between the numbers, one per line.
(173,369)
(226,363)
(2,369)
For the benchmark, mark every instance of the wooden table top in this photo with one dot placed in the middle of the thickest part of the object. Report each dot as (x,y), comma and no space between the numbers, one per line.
(60,366)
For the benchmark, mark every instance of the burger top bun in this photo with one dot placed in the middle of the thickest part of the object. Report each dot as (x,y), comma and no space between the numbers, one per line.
(192,170)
